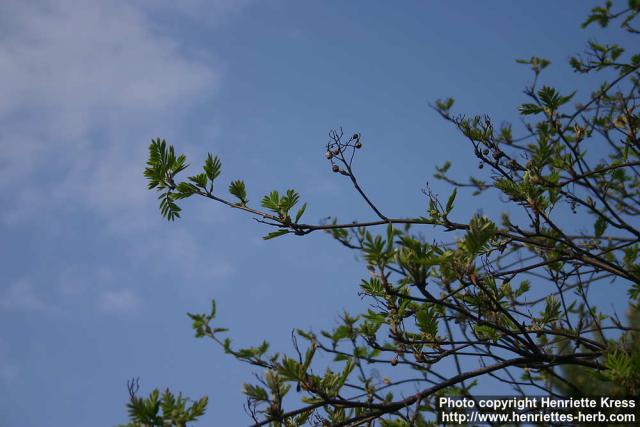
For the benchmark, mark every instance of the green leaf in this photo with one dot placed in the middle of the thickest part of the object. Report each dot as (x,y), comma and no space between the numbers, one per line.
(450,201)
(537,64)
(289,200)
(280,205)
(548,95)
(275,234)
(599,14)
(619,366)
(168,208)
(200,180)
(212,167)
(600,226)
(300,212)
(271,201)
(237,188)
(198,408)
(213,309)
(184,190)
(528,109)
(255,392)
(481,230)
(551,310)
(162,166)
(444,105)
(524,287)
(566,98)
(426,321)
(486,332)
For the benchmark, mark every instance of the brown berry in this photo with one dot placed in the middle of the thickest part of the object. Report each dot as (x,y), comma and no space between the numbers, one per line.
(328,155)
(335,168)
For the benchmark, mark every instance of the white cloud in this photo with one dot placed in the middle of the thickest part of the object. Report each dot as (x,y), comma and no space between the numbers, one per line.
(82,83)
(206,12)
(21,295)
(79,57)
(78,279)
(119,301)
(178,248)
(84,86)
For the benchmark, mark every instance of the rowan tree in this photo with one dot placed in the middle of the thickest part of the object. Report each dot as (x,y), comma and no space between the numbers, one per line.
(507,301)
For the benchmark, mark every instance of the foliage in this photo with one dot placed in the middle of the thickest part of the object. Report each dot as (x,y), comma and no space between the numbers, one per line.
(621,379)
(161,410)
(509,301)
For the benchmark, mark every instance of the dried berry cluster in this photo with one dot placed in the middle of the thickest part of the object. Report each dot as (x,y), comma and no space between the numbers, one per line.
(341,152)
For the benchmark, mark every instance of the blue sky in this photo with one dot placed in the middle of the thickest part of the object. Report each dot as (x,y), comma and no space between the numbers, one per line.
(95,284)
